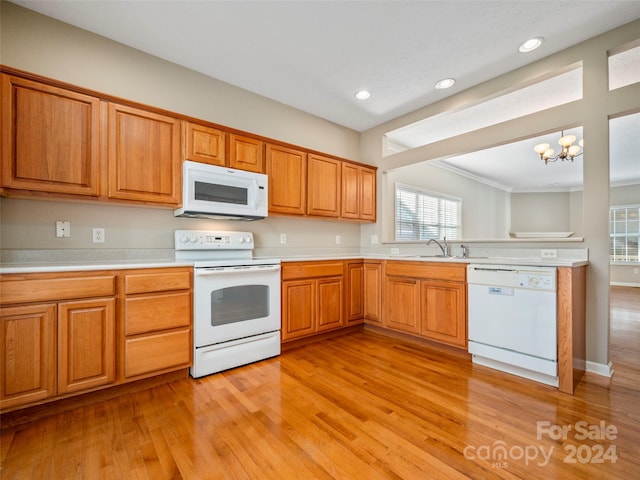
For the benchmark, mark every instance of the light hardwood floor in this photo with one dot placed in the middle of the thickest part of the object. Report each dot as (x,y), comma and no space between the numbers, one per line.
(361,406)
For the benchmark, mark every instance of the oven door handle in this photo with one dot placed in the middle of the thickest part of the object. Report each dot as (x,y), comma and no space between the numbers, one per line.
(210,272)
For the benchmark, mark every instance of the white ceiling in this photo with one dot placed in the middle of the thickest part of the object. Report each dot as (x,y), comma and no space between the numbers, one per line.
(314,55)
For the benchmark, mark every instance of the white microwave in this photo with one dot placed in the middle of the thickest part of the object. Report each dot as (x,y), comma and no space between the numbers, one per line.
(210,191)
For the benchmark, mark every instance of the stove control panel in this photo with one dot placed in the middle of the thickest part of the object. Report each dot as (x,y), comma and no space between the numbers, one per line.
(212,240)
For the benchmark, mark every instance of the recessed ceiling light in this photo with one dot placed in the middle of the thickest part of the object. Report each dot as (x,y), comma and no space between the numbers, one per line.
(363,94)
(446,83)
(530,45)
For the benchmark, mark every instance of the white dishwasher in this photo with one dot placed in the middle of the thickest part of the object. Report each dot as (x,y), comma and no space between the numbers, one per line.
(512,320)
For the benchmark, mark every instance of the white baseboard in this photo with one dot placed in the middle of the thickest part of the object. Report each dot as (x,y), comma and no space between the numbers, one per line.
(624,284)
(600,368)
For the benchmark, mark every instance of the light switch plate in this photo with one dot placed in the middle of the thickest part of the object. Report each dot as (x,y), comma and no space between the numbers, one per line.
(63,228)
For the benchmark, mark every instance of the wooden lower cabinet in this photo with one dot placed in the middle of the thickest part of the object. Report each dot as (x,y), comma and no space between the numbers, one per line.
(156,322)
(443,312)
(312,298)
(355,292)
(86,344)
(427,299)
(63,334)
(372,292)
(402,304)
(28,342)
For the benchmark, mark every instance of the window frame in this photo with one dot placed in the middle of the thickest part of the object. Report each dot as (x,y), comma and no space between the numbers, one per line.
(419,225)
(627,234)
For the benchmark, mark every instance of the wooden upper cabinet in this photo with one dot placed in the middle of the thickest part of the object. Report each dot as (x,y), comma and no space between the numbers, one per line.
(367,194)
(358,192)
(287,171)
(204,144)
(323,186)
(246,153)
(144,156)
(50,138)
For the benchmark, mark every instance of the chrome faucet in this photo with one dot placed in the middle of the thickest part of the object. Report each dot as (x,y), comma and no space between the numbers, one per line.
(444,246)
(465,251)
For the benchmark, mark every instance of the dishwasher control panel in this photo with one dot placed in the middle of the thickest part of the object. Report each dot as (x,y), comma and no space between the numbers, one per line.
(532,280)
(512,276)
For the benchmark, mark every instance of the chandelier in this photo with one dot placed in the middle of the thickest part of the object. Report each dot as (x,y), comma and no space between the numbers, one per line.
(568,151)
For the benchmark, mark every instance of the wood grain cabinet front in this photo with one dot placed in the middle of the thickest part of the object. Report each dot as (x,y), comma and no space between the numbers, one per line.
(428,299)
(58,335)
(28,343)
(155,321)
(287,171)
(312,298)
(50,138)
(358,192)
(246,153)
(144,156)
(204,144)
(323,186)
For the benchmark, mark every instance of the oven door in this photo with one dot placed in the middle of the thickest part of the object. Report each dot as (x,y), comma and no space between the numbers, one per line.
(235,302)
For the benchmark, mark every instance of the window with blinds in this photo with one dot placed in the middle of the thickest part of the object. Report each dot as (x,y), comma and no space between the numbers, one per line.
(421,215)
(624,233)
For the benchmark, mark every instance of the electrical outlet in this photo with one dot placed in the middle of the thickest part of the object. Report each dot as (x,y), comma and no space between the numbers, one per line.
(636,271)
(283,238)
(338,240)
(395,251)
(374,239)
(549,253)
(63,228)
(98,235)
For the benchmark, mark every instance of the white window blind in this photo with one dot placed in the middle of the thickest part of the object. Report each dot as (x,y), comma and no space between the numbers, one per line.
(421,215)
(624,233)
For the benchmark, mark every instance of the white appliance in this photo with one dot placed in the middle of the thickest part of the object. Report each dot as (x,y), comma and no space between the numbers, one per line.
(512,320)
(236,300)
(210,191)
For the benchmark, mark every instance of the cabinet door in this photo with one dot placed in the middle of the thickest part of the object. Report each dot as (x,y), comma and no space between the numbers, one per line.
(50,138)
(298,308)
(28,343)
(330,306)
(372,298)
(204,144)
(443,309)
(367,196)
(350,191)
(323,186)
(245,153)
(402,304)
(86,344)
(355,289)
(144,156)
(287,171)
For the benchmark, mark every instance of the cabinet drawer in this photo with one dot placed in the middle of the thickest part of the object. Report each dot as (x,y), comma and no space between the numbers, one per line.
(47,289)
(312,270)
(151,313)
(433,271)
(157,352)
(157,281)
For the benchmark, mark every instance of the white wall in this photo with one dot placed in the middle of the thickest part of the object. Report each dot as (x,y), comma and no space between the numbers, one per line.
(541,212)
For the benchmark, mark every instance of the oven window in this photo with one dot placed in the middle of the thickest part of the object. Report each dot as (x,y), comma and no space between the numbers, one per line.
(237,304)
(213,192)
